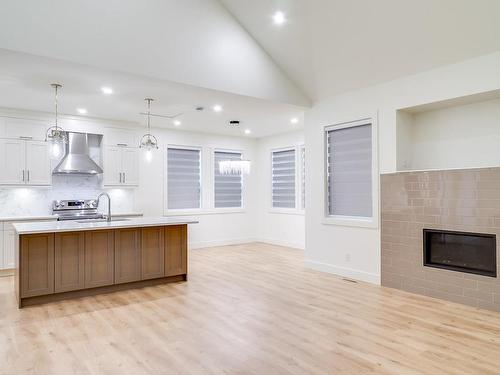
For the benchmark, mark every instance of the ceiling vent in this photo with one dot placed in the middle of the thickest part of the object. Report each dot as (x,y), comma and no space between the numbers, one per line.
(234,123)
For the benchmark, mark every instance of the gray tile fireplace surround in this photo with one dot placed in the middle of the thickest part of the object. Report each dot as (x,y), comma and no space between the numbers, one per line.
(466,200)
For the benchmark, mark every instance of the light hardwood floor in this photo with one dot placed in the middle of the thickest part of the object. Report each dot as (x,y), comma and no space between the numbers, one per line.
(249,309)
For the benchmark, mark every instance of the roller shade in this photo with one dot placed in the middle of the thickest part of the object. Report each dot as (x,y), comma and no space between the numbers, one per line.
(303,177)
(183,178)
(283,178)
(349,159)
(227,187)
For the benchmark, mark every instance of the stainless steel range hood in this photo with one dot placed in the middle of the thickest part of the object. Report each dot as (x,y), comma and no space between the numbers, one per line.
(76,159)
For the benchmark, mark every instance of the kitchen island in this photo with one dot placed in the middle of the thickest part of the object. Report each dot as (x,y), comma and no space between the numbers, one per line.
(67,259)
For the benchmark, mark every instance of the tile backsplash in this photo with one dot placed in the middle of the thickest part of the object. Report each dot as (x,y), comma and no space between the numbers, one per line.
(27,201)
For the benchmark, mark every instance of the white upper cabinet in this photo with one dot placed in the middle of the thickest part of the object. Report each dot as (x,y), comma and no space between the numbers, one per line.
(12,161)
(130,160)
(38,166)
(17,128)
(24,162)
(120,137)
(121,166)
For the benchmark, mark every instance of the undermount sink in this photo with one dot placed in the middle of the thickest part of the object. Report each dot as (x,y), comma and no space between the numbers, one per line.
(99,220)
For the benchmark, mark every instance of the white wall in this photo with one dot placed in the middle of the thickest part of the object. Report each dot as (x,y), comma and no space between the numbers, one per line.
(355,251)
(281,227)
(456,137)
(256,221)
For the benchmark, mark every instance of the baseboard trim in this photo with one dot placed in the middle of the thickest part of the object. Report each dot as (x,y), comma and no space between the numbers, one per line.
(294,245)
(7,272)
(236,241)
(344,272)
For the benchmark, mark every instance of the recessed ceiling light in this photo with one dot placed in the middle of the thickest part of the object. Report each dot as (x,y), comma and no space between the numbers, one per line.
(82,111)
(106,90)
(217,108)
(177,123)
(248,131)
(294,120)
(279,18)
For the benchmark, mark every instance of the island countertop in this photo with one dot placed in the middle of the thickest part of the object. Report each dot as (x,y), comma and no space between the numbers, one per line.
(74,225)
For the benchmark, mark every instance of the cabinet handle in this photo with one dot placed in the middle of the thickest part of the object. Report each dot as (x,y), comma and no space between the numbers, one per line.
(25,137)
(123,177)
(23,175)
(122,144)
(120,174)
(28,175)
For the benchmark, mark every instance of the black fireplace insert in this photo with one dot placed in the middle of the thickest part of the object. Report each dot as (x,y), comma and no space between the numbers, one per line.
(461,251)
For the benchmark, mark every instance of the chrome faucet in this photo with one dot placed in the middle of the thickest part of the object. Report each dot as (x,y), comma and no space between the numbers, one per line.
(108,218)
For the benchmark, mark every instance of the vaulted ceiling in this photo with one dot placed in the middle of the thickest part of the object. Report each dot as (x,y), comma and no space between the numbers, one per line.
(194,52)
(330,46)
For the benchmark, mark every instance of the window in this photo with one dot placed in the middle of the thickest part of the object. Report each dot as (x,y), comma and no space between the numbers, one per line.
(302,177)
(283,178)
(349,170)
(227,187)
(183,178)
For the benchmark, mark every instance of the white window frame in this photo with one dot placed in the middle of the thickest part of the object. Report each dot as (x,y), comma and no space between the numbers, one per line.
(182,211)
(281,210)
(354,221)
(243,184)
(300,173)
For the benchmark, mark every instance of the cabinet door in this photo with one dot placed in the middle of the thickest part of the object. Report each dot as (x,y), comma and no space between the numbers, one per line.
(38,168)
(12,161)
(175,250)
(37,264)
(130,166)
(99,258)
(69,264)
(127,255)
(112,165)
(153,253)
(9,249)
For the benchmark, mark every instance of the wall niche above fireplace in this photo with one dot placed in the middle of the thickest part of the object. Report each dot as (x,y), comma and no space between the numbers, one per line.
(460,251)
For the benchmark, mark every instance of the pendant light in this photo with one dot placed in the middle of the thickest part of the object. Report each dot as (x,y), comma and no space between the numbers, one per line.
(55,134)
(148,140)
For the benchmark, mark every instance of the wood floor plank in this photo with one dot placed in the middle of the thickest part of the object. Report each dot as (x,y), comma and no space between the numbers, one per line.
(249,309)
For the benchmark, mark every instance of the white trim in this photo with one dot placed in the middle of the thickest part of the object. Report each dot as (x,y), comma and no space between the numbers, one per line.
(351,273)
(293,245)
(353,221)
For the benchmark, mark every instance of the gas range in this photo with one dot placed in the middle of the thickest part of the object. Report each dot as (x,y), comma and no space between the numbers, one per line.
(76,209)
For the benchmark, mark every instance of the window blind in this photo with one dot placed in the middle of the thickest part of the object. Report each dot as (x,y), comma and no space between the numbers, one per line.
(349,163)
(283,178)
(227,187)
(183,178)
(303,177)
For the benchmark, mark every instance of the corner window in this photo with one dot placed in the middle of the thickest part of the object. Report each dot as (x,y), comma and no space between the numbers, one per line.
(227,187)
(349,170)
(183,178)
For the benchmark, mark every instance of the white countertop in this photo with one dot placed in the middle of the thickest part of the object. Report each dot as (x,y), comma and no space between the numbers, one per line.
(73,225)
(54,217)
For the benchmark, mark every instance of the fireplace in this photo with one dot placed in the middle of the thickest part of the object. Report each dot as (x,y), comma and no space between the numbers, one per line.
(461,251)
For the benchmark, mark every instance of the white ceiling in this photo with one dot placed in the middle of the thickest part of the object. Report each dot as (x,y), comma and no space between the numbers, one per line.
(25,84)
(202,52)
(331,46)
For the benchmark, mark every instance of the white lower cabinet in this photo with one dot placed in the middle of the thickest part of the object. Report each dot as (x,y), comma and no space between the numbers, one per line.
(9,245)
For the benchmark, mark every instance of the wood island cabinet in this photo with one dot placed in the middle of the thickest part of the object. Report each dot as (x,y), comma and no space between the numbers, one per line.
(37,263)
(175,250)
(127,255)
(59,265)
(153,252)
(69,269)
(99,258)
